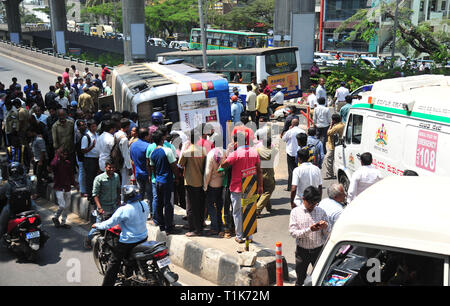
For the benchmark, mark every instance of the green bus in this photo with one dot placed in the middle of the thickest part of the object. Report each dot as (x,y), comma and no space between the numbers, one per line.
(224,39)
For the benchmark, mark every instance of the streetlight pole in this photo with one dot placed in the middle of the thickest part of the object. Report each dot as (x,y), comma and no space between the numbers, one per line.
(203,34)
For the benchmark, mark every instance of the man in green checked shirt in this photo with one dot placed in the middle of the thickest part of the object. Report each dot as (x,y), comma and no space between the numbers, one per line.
(106,193)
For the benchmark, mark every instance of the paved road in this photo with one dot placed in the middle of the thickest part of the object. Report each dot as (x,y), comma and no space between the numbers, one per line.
(63,261)
(10,68)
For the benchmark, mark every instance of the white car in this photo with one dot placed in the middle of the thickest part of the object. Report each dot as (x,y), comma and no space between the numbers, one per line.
(326,59)
(372,62)
(157,42)
(179,44)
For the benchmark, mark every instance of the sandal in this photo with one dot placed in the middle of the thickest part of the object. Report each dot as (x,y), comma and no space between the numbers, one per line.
(239,240)
(221,234)
(227,235)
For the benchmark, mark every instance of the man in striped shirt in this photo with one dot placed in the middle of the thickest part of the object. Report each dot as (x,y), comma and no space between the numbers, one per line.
(309,226)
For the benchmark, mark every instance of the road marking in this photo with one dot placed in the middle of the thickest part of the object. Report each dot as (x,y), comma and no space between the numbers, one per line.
(32,65)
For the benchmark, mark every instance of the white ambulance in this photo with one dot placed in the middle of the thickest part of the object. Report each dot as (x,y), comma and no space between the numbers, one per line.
(395,233)
(404,123)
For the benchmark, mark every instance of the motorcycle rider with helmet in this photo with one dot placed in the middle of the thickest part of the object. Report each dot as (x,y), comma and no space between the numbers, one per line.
(157,120)
(132,218)
(16,175)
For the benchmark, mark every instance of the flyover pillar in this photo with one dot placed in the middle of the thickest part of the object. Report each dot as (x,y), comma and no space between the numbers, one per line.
(58,20)
(13,18)
(133,15)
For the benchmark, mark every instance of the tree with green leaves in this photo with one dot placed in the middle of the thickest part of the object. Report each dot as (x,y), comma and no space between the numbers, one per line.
(422,37)
(111,11)
(256,15)
(171,16)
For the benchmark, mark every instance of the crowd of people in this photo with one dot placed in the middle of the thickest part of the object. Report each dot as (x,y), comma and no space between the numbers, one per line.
(99,151)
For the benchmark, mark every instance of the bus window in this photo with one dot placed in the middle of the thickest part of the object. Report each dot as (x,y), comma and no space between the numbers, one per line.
(246,77)
(188,59)
(242,41)
(226,75)
(214,62)
(261,42)
(196,36)
(251,42)
(197,61)
(225,40)
(233,41)
(281,62)
(247,62)
(209,37)
(229,63)
(217,38)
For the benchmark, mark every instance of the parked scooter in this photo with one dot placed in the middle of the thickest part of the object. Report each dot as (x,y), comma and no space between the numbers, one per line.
(24,235)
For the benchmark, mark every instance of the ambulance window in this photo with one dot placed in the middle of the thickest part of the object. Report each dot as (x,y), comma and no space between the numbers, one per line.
(354,129)
(360,265)
(357,129)
(348,133)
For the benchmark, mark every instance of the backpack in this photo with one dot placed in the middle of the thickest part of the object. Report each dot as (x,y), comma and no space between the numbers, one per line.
(80,155)
(314,156)
(20,197)
(116,154)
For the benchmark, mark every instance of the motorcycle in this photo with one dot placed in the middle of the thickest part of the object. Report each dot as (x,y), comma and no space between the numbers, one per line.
(146,265)
(24,235)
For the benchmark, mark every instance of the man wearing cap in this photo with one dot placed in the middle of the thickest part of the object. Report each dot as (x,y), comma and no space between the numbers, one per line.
(278,99)
(340,95)
(236,109)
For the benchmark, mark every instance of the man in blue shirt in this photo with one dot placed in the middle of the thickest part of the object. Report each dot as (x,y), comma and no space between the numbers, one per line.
(313,140)
(236,109)
(150,148)
(27,89)
(132,218)
(346,108)
(138,150)
(163,164)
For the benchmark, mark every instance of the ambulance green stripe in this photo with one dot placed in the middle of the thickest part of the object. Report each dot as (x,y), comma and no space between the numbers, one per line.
(403,112)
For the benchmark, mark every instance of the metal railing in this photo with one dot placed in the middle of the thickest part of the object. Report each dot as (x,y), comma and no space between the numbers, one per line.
(54,54)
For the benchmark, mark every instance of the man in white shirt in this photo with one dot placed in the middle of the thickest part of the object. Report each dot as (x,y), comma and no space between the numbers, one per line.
(278,99)
(304,176)
(321,91)
(251,102)
(311,101)
(121,137)
(62,100)
(290,137)
(105,143)
(308,224)
(364,177)
(39,115)
(339,97)
(322,121)
(334,204)
(90,150)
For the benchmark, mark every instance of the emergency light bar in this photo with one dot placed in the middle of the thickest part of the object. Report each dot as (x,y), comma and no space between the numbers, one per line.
(202,86)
